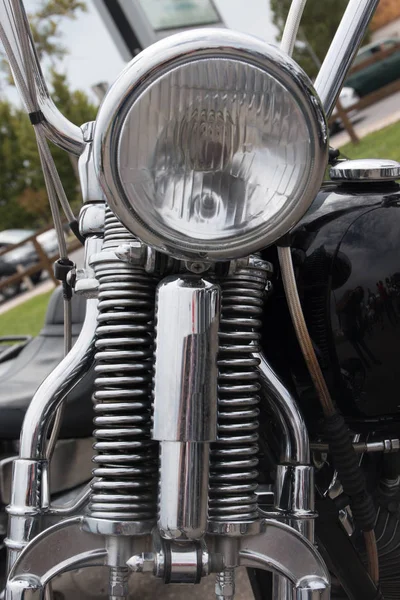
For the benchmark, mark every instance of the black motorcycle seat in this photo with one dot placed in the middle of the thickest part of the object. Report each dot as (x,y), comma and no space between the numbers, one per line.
(37,359)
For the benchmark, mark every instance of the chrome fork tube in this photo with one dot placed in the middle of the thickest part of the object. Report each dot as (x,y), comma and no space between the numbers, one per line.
(185,401)
(294,488)
(342,51)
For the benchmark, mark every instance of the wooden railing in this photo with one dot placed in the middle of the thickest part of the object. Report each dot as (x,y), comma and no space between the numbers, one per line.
(44,263)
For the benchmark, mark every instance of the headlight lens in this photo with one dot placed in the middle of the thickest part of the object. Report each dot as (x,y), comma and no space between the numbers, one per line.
(216,155)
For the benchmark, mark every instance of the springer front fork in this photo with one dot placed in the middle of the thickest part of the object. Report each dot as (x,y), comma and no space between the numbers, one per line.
(188,431)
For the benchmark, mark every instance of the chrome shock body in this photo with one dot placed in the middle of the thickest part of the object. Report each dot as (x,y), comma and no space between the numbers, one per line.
(126,459)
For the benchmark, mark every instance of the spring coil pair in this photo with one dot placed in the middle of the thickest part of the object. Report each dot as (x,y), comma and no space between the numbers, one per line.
(126,460)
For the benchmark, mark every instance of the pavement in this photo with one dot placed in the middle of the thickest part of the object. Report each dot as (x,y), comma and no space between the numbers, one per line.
(92,583)
(373,118)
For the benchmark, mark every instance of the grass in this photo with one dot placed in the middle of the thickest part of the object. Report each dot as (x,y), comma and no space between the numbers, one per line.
(380,144)
(25,319)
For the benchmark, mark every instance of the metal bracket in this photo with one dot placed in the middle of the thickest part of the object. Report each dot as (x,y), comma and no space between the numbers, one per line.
(283,550)
(60,548)
(66,546)
(70,467)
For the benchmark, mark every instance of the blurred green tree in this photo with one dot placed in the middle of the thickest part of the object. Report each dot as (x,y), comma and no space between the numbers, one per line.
(45,25)
(23,198)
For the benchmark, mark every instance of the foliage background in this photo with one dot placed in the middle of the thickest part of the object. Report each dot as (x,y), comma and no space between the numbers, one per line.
(23,198)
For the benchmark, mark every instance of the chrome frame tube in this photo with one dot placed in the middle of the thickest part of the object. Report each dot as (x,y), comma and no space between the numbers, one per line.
(342,51)
(294,489)
(54,389)
(30,482)
(296,445)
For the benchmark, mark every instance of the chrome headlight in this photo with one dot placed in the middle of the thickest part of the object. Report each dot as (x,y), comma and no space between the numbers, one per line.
(211,144)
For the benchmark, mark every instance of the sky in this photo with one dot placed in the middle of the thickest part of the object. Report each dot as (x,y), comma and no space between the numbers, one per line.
(93,57)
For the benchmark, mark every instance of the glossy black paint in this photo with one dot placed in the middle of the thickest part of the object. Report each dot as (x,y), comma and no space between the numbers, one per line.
(346,244)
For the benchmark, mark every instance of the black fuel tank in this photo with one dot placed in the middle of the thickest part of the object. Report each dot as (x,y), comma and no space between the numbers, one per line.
(348,269)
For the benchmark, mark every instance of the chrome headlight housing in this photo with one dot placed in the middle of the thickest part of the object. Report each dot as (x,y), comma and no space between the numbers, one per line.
(210,145)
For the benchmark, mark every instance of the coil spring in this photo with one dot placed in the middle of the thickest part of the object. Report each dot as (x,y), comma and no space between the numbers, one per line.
(126,460)
(233,465)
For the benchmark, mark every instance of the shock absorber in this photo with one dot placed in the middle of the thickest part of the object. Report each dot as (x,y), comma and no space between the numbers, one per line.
(233,465)
(126,459)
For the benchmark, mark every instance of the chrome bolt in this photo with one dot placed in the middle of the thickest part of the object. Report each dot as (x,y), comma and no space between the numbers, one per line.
(225,585)
(142,563)
(91,219)
(88,131)
(151,260)
(258,263)
(133,253)
(71,277)
(236,265)
(118,583)
(86,284)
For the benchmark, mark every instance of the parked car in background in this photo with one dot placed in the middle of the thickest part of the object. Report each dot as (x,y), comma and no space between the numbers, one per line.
(24,256)
(375,66)
(6,270)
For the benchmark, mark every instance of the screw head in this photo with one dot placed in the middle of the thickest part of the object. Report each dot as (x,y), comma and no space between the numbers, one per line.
(197,267)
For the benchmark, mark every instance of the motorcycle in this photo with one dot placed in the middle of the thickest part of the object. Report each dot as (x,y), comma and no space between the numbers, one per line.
(245,410)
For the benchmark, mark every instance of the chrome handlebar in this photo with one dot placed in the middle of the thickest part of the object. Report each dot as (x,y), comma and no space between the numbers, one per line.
(342,51)
(15,34)
(68,136)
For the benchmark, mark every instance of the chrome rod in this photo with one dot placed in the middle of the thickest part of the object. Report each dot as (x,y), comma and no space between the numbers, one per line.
(55,388)
(388,446)
(342,51)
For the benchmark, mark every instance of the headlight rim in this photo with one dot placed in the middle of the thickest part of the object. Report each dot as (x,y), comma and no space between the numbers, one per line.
(158,60)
